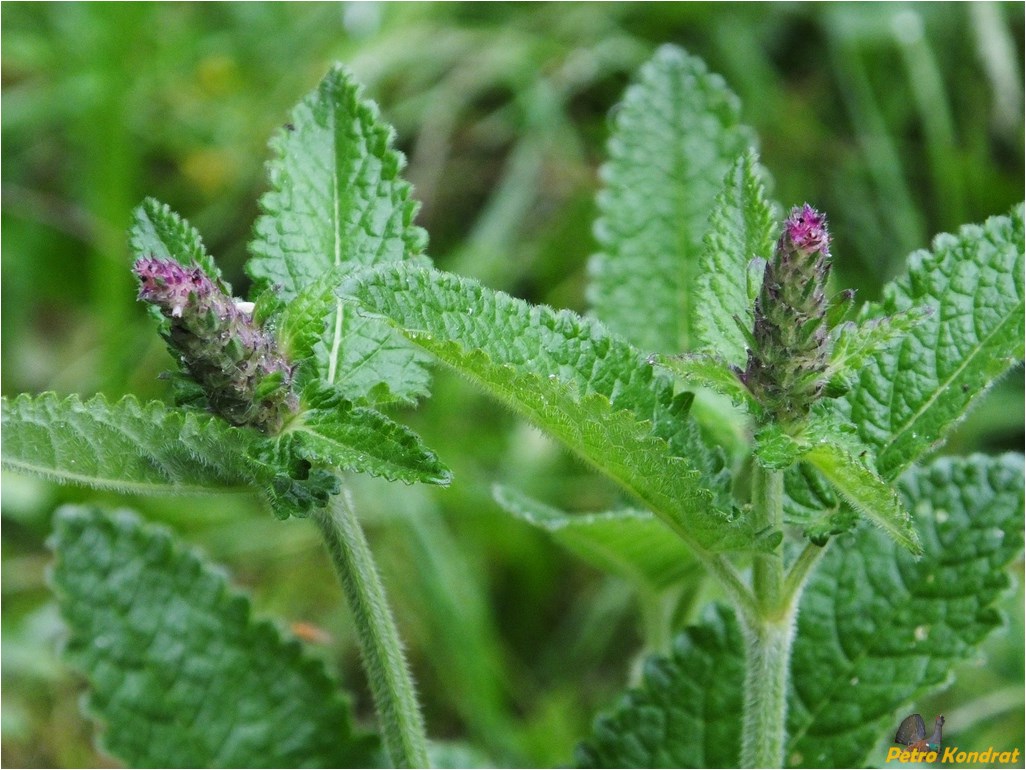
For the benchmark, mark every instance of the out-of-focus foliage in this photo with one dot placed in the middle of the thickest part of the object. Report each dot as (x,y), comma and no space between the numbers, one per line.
(898,121)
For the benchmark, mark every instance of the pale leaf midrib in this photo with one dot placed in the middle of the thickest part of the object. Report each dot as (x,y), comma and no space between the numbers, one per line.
(336,203)
(104,482)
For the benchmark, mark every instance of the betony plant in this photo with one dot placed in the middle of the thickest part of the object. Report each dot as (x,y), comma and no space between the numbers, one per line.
(767,438)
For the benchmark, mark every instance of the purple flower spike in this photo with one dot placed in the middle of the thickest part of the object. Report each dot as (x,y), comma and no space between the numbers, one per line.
(168,285)
(786,368)
(245,377)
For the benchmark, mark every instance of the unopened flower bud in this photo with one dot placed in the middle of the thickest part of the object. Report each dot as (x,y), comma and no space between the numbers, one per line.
(237,363)
(792,345)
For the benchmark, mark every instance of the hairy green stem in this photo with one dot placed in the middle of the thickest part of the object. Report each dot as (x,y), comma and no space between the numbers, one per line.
(769,632)
(731,583)
(390,682)
(768,510)
(800,571)
(768,648)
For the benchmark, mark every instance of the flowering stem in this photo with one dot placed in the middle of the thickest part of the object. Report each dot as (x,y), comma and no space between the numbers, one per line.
(768,647)
(769,632)
(387,672)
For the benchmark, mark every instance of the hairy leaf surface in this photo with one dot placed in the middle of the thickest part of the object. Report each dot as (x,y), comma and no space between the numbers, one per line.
(180,674)
(334,432)
(741,228)
(866,492)
(149,449)
(706,370)
(125,446)
(687,712)
(909,396)
(676,133)
(337,202)
(878,629)
(572,378)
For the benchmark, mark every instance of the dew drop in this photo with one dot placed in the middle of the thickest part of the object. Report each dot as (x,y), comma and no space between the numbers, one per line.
(921,633)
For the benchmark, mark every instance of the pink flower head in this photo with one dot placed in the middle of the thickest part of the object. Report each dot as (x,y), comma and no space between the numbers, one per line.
(235,360)
(168,285)
(806,229)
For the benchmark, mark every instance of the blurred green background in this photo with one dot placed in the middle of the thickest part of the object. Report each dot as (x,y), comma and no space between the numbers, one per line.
(900,121)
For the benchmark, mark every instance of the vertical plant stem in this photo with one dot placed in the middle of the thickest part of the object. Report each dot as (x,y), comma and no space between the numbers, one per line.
(390,682)
(765,723)
(768,510)
(769,632)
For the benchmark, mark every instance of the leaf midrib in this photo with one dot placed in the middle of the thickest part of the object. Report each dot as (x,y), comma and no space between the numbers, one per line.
(103,482)
(336,204)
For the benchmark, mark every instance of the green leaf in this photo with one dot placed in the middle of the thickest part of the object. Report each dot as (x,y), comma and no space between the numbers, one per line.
(878,629)
(148,449)
(711,371)
(857,344)
(629,542)
(866,492)
(908,397)
(810,503)
(335,433)
(687,713)
(676,134)
(180,674)
(569,376)
(778,447)
(741,228)
(159,232)
(337,203)
(434,307)
(126,446)
(303,321)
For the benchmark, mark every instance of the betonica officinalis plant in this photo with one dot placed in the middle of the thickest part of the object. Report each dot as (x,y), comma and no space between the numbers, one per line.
(774,443)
